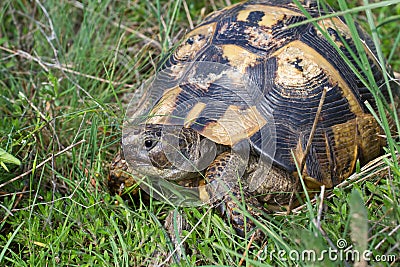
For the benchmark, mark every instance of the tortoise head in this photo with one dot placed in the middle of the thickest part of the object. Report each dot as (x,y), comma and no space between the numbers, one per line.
(165,151)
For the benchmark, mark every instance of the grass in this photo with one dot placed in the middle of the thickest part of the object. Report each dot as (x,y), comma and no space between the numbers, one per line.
(66,69)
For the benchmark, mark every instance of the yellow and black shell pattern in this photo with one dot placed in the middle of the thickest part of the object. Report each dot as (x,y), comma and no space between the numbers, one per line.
(291,66)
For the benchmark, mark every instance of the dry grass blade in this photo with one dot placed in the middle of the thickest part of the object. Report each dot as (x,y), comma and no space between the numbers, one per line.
(20,194)
(374,168)
(47,66)
(189,18)
(147,40)
(317,223)
(247,249)
(397,76)
(42,163)
(320,207)
(308,147)
(389,235)
(186,237)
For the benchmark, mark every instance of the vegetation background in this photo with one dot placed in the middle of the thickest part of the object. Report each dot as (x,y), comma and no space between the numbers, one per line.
(66,70)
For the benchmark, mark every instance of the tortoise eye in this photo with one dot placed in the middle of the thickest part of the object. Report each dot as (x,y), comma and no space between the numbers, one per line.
(148,144)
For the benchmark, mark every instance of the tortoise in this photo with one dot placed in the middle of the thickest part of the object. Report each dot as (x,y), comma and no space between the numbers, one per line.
(257,77)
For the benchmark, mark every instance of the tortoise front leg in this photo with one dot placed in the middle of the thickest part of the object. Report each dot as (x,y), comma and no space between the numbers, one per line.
(225,167)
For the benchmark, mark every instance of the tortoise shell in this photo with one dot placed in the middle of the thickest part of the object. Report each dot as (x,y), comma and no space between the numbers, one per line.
(289,65)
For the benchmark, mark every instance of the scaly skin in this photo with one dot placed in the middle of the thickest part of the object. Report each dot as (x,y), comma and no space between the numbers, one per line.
(226,165)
